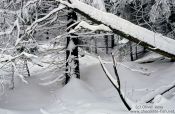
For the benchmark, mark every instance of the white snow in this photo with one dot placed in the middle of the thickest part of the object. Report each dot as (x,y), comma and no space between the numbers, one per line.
(123,41)
(44,93)
(33,25)
(93,94)
(84,24)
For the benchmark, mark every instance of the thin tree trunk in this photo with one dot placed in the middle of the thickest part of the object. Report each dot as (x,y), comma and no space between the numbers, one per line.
(13,79)
(95,45)
(131,53)
(136,52)
(106,43)
(112,41)
(27,68)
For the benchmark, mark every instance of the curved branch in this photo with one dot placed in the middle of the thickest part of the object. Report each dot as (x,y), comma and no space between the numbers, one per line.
(115,83)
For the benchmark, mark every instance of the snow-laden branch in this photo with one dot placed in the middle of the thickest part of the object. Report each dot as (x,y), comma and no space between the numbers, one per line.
(7,32)
(114,81)
(154,41)
(116,84)
(31,2)
(10,29)
(9,11)
(18,27)
(33,25)
(65,3)
(10,58)
(86,25)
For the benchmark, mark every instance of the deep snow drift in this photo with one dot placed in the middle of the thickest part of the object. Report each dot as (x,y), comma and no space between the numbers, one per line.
(93,94)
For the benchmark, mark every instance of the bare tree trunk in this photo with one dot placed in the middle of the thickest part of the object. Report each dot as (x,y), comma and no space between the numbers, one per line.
(131,53)
(106,43)
(13,79)
(27,68)
(95,45)
(112,41)
(136,53)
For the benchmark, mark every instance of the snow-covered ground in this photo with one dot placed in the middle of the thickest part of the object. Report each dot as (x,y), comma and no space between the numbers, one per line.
(93,94)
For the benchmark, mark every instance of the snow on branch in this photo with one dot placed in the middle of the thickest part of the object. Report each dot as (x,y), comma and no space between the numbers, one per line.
(86,25)
(114,81)
(31,2)
(8,11)
(116,84)
(33,25)
(18,27)
(9,30)
(154,41)
(65,3)
(10,58)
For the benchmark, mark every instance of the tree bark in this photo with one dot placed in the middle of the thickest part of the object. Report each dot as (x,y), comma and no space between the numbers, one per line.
(136,53)
(72,61)
(13,78)
(27,67)
(106,43)
(131,52)
(112,41)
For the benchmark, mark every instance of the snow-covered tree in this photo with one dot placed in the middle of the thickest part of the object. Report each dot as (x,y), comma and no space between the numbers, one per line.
(26,23)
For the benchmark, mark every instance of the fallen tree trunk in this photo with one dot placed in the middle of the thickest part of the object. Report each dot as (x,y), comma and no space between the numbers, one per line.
(149,39)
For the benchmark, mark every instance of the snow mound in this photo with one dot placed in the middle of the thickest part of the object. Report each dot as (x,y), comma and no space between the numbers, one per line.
(79,98)
(3,111)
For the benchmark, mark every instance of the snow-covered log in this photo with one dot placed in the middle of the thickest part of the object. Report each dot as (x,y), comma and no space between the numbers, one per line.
(149,39)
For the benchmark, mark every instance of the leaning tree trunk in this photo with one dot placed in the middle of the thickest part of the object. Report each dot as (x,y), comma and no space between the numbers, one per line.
(72,62)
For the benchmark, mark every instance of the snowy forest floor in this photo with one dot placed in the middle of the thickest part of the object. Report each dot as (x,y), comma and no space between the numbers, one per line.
(93,94)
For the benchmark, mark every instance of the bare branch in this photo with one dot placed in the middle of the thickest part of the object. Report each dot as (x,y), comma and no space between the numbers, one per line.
(115,84)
